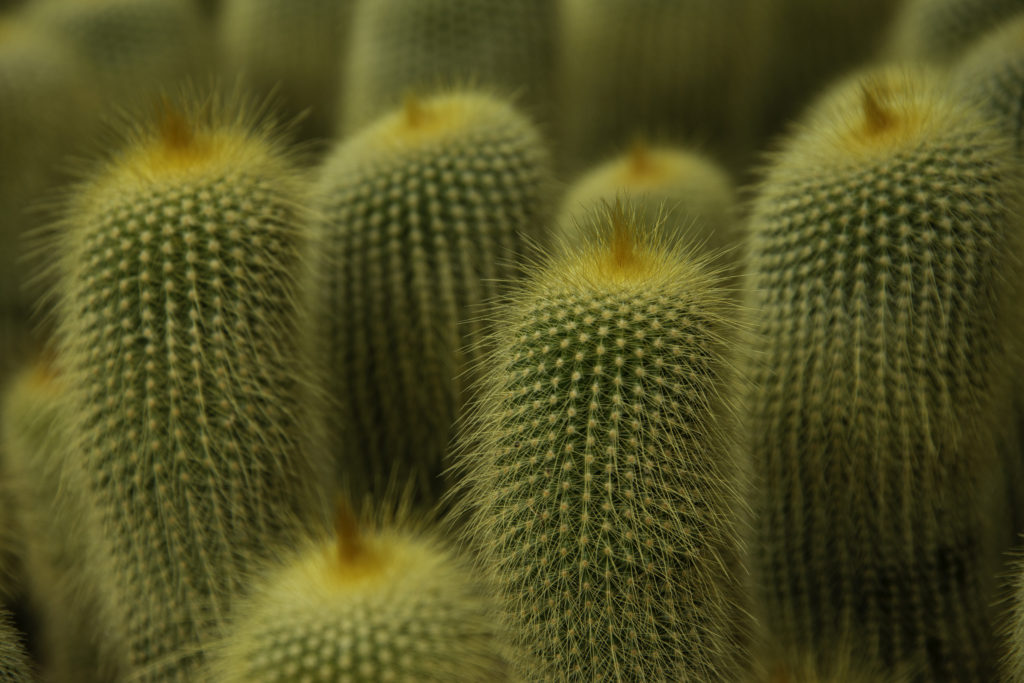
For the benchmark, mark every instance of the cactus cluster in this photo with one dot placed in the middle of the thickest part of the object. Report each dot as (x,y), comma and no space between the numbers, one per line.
(599,472)
(884,299)
(424,215)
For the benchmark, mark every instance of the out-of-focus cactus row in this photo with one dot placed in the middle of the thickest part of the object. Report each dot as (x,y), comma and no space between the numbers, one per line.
(511,340)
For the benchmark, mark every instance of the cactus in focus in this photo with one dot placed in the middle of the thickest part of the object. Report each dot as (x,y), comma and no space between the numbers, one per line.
(51,515)
(599,477)
(426,46)
(940,30)
(689,192)
(426,215)
(296,46)
(991,72)
(185,343)
(385,603)
(14,663)
(884,290)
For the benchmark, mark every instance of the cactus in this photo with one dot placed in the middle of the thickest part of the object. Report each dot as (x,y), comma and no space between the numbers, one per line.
(388,603)
(686,190)
(992,72)
(51,518)
(884,278)
(14,662)
(185,342)
(424,46)
(425,212)
(133,48)
(599,478)
(668,70)
(940,30)
(294,45)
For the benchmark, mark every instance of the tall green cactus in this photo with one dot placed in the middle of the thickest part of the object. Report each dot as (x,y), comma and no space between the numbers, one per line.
(691,193)
(426,214)
(424,46)
(600,480)
(184,340)
(40,462)
(389,602)
(885,242)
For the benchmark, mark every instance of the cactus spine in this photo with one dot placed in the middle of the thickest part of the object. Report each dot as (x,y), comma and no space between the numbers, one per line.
(689,192)
(424,46)
(44,475)
(425,212)
(884,277)
(385,603)
(601,485)
(183,340)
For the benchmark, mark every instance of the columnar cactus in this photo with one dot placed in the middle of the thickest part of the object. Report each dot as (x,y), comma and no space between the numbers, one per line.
(426,215)
(885,242)
(424,46)
(14,663)
(939,30)
(40,464)
(991,73)
(184,343)
(386,603)
(689,192)
(296,46)
(669,70)
(599,478)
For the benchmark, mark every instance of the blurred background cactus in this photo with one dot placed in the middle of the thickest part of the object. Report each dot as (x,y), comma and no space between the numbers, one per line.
(209,323)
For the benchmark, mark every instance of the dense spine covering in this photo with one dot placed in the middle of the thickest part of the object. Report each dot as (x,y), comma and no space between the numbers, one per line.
(599,475)
(133,48)
(385,603)
(939,30)
(688,192)
(668,70)
(425,46)
(293,47)
(39,460)
(15,666)
(184,340)
(885,249)
(991,73)
(425,216)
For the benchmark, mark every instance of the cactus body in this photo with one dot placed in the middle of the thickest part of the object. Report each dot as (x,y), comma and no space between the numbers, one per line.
(673,71)
(393,604)
(689,192)
(991,72)
(599,479)
(14,663)
(883,281)
(184,343)
(426,213)
(940,30)
(424,46)
(51,515)
(295,45)
(133,48)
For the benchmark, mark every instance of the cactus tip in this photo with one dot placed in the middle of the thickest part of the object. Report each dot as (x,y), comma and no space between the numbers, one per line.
(350,542)
(413,109)
(174,129)
(622,251)
(877,118)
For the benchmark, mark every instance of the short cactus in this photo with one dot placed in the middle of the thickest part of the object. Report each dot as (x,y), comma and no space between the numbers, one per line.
(291,47)
(599,479)
(185,344)
(15,666)
(38,459)
(426,214)
(940,30)
(389,603)
(991,72)
(689,192)
(425,46)
(884,288)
